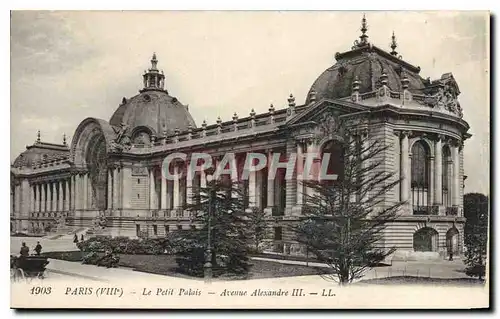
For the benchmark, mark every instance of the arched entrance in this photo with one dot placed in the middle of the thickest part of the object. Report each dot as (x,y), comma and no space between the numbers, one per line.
(89,152)
(96,160)
(452,241)
(425,239)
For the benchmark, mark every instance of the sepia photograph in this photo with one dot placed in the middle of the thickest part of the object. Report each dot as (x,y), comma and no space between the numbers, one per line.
(250,159)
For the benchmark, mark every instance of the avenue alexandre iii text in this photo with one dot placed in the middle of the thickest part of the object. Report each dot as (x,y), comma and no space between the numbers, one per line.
(184,292)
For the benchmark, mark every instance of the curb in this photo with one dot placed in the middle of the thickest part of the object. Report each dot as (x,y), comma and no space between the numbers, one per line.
(72,274)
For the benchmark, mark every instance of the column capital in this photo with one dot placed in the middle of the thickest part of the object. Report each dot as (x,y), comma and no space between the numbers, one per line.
(404,133)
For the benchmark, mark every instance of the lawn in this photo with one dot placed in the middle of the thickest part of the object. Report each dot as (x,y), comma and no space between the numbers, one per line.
(410,280)
(166,265)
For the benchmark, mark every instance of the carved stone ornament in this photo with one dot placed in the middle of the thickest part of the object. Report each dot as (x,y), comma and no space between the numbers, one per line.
(122,141)
(445,99)
(327,126)
(139,171)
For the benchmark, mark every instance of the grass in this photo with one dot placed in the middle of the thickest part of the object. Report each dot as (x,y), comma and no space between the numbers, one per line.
(166,265)
(411,280)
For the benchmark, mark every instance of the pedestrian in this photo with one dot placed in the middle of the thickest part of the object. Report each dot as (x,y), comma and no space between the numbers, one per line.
(25,251)
(38,248)
(451,256)
(81,238)
(75,239)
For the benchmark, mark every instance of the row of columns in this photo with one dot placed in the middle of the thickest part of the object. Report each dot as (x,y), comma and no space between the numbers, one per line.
(171,193)
(71,193)
(436,172)
(50,196)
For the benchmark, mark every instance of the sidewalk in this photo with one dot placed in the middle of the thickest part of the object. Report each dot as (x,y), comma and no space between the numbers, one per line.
(432,268)
(102,274)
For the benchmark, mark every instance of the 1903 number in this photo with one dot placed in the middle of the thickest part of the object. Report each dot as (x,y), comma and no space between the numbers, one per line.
(41,290)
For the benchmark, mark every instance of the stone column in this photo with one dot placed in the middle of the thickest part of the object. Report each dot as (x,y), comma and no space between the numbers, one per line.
(152,204)
(39,198)
(60,194)
(32,197)
(52,197)
(110,189)
(42,197)
(290,184)
(258,190)
(431,181)
(176,188)
(300,174)
(163,192)
(189,189)
(203,179)
(456,176)
(314,168)
(116,186)
(270,182)
(73,192)
(126,187)
(77,192)
(405,183)
(66,194)
(251,189)
(85,191)
(438,172)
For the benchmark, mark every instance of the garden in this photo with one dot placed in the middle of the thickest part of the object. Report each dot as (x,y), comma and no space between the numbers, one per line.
(168,256)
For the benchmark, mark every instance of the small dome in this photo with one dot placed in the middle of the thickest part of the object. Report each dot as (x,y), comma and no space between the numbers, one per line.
(366,63)
(154,109)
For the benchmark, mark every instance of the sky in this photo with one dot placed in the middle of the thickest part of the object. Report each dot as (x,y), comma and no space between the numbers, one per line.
(70,65)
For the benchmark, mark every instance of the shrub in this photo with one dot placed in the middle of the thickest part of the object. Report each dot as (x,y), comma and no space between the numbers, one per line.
(125,245)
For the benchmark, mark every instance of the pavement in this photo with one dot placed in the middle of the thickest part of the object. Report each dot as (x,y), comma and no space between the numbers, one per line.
(63,270)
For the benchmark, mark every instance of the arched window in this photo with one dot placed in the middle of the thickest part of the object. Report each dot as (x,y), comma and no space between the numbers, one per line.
(420,178)
(446,177)
(336,161)
(335,151)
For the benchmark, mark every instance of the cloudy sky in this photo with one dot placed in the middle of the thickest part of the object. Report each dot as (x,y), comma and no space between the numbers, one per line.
(66,66)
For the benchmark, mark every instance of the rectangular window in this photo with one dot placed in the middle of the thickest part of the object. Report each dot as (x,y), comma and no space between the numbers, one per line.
(138,181)
(179,227)
(155,230)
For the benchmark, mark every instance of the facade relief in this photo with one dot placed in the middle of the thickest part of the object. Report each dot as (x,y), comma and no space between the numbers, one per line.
(122,141)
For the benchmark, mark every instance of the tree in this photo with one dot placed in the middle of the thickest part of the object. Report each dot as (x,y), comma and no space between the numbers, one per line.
(219,206)
(476,234)
(344,219)
(257,226)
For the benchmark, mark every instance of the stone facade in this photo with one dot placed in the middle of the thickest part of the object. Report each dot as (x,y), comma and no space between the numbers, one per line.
(109,178)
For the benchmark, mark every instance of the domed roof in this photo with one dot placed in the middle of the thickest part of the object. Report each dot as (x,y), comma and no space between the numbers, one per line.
(153,108)
(41,152)
(366,64)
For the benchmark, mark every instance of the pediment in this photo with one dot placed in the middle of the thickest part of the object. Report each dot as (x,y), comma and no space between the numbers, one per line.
(317,112)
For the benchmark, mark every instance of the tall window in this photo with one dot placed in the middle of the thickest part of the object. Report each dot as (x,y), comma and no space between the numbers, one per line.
(446,177)
(420,177)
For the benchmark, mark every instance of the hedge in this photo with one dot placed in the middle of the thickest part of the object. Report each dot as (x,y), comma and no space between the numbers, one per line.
(124,245)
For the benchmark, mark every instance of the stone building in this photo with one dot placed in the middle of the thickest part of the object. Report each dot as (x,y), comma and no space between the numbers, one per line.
(109,177)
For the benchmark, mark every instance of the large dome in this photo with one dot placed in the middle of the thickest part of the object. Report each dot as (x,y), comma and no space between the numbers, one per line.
(153,108)
(366,63)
